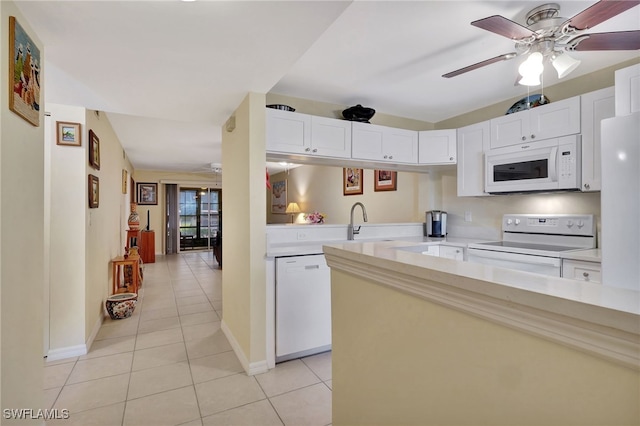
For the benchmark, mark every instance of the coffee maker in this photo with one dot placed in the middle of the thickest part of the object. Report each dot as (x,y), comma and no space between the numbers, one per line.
(436,224)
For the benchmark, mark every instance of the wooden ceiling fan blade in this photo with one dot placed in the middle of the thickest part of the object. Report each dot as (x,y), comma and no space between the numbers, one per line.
(621,40)
(599,12)
(504,57)
(504,27)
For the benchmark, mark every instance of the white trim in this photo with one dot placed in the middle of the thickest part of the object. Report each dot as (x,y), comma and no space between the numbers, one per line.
(95,330)
(250,368)
(612,344)
(68,352)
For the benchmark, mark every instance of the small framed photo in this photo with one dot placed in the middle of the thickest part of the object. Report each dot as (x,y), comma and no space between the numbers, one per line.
(352,181)
(94,150)
(147,194)
(279,197)
(68,134)
(385,180)
(94,191)
(124,181)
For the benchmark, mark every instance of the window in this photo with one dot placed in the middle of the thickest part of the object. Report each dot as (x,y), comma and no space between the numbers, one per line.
(199,217)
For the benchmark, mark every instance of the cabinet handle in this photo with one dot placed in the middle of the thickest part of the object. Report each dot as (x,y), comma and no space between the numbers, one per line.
(586,276)
(307,150)
(391,157)
(533,136)
(451,158)
(524,138)
(315,150)
(385,157)
(587,186)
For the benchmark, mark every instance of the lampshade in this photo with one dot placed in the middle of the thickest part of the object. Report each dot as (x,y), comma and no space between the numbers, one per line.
(292,208)
(531,69)
(564,64)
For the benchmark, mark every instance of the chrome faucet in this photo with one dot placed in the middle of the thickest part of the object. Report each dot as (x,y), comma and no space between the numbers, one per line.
(351,231)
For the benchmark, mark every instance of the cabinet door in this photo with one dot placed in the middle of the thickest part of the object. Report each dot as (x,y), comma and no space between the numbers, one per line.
(288,132)
(473,141)
(509,129)
(437,147)
(330,137)
(583,271)
(596,106)
(400,146)
(554,120)
(628,90)
(432,250)
(452,252)
(367,141)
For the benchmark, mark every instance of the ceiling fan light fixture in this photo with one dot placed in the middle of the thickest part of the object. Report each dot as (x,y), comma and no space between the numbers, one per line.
(564,64)
(531,69)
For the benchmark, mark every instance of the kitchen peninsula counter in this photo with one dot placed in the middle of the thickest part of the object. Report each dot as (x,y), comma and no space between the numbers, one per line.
(448,342)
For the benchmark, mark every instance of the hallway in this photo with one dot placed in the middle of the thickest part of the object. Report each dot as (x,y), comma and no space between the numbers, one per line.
(170,364)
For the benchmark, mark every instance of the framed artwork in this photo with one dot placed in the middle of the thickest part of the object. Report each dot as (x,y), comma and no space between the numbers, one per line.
(352,181)
(94,191)
(124,181)
(24,70)
(385,180)
(94,150)
(68,134)
(147,194)
(279,197)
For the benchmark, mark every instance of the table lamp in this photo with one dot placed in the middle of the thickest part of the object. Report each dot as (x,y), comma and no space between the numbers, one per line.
(292,208)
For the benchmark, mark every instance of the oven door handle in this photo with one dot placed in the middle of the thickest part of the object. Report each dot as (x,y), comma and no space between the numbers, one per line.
(553,164)
(515,257)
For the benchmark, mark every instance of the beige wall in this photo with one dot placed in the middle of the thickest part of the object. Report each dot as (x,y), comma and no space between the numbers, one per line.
(420,363)
(22,242)
(104,226)
(158,213)
(319,188)
(243,211)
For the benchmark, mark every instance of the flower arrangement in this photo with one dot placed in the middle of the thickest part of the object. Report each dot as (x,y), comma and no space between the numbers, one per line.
(315,217)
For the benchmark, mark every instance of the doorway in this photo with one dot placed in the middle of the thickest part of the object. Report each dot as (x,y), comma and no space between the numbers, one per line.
(199,217)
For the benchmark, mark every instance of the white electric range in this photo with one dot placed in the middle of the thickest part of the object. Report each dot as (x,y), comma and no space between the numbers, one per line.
(534,243)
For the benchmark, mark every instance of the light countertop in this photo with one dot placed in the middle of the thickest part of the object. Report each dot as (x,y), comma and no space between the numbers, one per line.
(587,255)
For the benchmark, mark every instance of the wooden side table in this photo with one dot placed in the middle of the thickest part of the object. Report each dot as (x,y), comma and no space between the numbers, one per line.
(126,274)
(148,252)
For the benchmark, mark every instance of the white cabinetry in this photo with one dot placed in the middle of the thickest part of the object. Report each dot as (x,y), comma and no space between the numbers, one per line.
(580,270)
(303,306)
(294,133)
(628,90)
(384,144)
(473,141)
(544,122)
(432,250)
(452,252)
(437,146)
(596,106)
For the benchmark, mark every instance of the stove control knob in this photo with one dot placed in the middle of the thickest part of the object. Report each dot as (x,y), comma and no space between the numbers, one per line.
(509,222)
(517,222)
(570,223)
(580,224)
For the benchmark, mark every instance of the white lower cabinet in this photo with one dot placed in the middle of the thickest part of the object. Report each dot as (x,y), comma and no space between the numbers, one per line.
(581,270)
(452,252)
(303,306)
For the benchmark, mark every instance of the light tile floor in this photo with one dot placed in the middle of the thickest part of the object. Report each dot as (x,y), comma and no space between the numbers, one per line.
(171,364)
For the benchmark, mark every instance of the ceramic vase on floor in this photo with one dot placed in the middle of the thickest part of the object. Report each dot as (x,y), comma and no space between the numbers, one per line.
(121,305)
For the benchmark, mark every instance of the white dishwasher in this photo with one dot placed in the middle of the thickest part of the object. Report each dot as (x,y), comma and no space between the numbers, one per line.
(303,306)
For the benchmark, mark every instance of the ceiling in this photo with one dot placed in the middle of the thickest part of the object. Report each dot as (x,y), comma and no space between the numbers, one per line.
(169,73)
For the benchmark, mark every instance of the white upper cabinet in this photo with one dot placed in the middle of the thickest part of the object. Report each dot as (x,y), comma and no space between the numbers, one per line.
(596,106)
(294,133)
(384,144)
(628,90)
(473,141)
(544,122)
(288,132)
(437,146)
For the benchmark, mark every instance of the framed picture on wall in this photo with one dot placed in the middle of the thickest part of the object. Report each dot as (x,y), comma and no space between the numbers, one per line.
(68,134)
(25,74)
(94,191)
(385,180)
(94,150)
(147,193)
(352,181)
(279,197)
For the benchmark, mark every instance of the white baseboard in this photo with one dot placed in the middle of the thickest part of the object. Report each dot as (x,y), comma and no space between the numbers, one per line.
(252,368)
(68,352)
(95,330)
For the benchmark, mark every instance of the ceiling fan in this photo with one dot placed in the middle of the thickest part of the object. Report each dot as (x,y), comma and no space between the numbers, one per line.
(548,36)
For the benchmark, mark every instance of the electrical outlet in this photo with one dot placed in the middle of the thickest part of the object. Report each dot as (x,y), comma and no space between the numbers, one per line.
(302,235)
(468,217)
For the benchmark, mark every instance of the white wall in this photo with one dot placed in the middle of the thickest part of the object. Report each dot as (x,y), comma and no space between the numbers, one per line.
(21,243)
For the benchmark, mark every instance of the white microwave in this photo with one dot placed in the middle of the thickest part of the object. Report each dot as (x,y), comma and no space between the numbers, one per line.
(547,165)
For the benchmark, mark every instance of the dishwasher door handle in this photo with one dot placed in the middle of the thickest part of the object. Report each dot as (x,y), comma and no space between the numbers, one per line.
(312,267)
